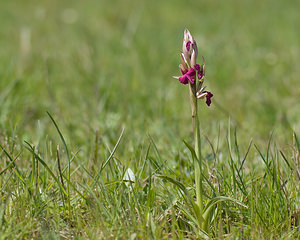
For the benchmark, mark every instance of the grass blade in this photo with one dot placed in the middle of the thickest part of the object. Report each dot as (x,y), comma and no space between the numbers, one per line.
(30,149)
(12,161)
(109,158)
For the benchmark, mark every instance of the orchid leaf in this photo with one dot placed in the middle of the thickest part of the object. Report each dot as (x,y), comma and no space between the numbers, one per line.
(212,203)
(187,195)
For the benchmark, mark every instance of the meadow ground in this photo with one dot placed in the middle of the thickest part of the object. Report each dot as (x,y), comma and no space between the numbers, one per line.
(103,71)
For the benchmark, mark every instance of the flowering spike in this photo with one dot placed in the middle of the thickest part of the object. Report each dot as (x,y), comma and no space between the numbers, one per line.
(189,68)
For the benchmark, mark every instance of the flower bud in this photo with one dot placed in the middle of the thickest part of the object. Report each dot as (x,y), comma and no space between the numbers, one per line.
(189,48)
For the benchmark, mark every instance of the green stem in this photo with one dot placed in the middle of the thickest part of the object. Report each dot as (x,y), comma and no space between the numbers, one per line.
(198,161)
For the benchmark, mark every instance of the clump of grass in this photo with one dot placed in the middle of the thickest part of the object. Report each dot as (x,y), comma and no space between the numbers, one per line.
(103,203)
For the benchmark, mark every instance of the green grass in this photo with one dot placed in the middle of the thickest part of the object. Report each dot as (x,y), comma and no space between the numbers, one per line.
(98,67)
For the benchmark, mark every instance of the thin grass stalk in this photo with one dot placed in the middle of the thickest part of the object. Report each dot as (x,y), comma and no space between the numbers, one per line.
(32,181)
(36,177)
(69,161)
(59,167)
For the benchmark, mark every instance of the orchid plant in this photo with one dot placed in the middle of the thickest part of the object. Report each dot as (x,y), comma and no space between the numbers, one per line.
(193,74)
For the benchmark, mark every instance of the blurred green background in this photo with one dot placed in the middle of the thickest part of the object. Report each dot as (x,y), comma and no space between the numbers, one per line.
(100,65)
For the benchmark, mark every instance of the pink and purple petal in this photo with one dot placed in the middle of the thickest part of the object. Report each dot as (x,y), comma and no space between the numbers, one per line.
(183,79)
(188,46)
(187,75)
(190,78)
(208,96)
(183,69)
(191,75)
(197,67)
(199,72)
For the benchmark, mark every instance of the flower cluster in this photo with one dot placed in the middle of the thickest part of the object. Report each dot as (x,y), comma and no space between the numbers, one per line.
(190,70)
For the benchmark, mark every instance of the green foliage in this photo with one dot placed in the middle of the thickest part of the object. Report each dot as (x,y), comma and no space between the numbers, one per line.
(99,67)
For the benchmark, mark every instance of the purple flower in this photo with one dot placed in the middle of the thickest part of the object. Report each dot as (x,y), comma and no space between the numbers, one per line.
(208,96)
(199,71)
(187,75)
